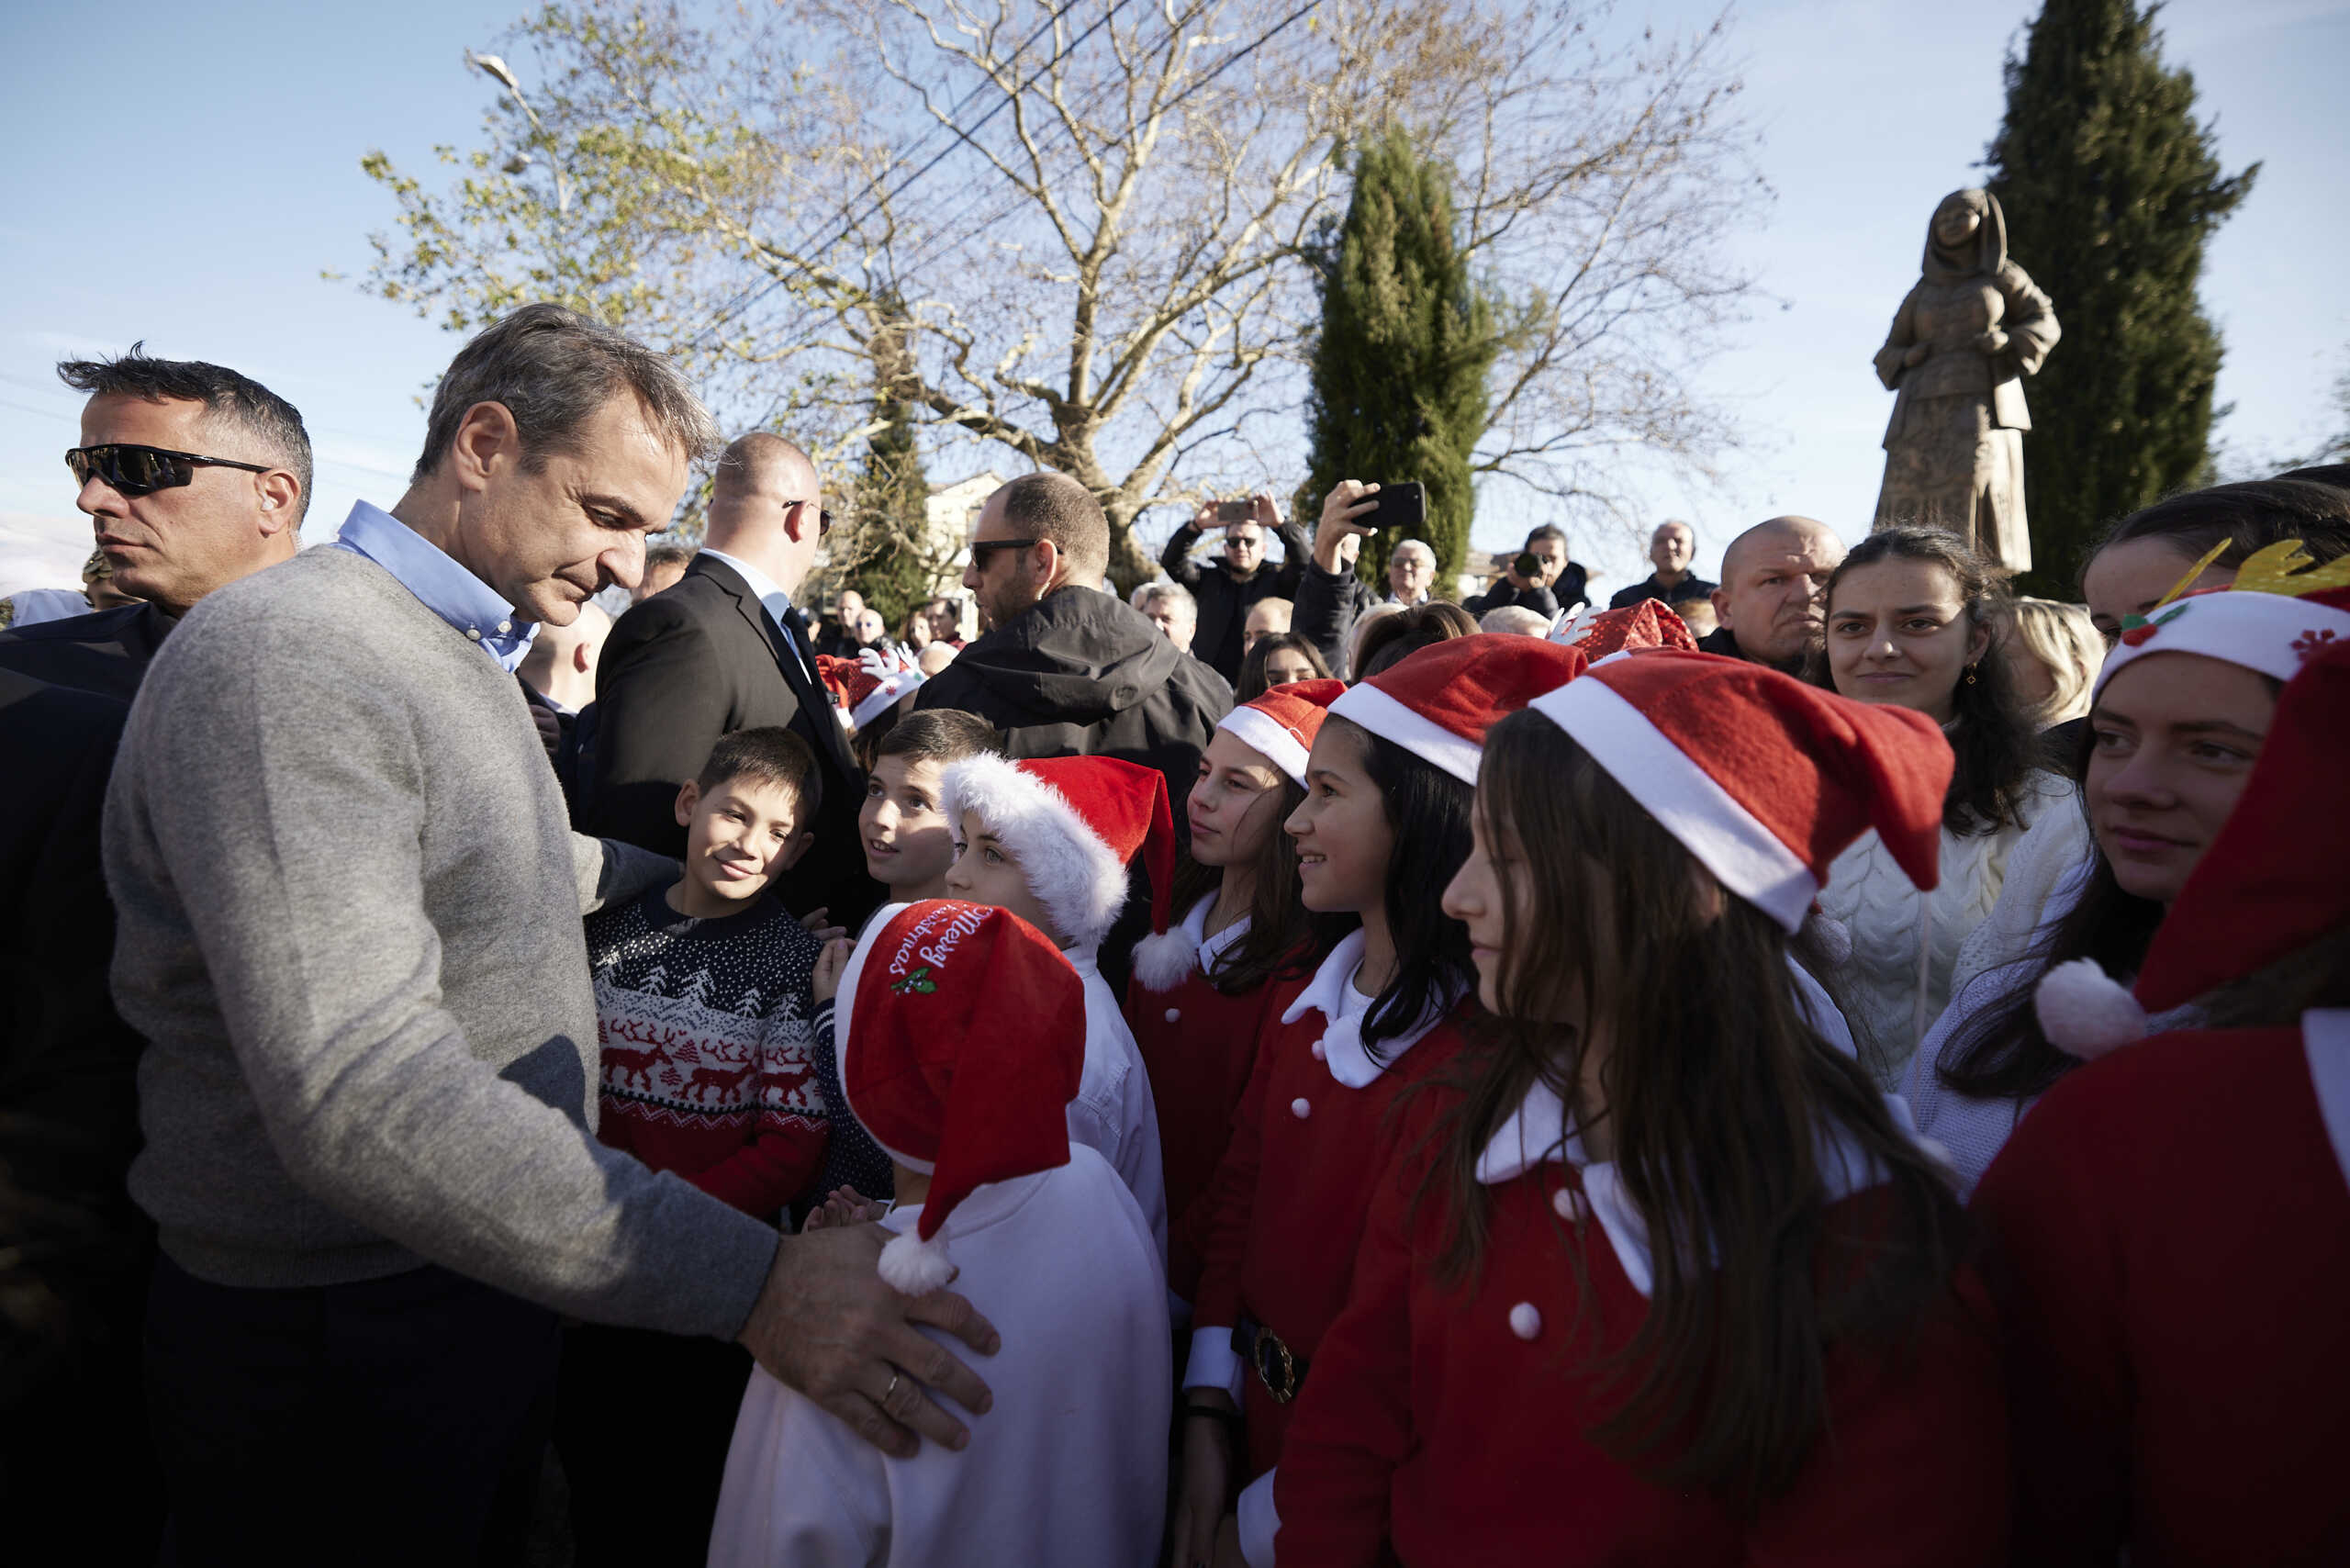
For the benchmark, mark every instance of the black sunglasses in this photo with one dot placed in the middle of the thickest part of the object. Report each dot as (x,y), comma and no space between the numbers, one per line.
(143,470)
(824,518)
(981,547)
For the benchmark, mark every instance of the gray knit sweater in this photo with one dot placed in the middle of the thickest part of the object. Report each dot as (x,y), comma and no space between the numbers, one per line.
(349,911)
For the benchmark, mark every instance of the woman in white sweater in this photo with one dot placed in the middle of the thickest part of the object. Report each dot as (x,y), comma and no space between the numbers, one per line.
(1916,620)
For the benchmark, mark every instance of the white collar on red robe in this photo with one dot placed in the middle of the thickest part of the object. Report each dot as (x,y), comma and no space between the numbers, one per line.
(1207,949)
(2325,1039)
(1332,994)
(1537,1131)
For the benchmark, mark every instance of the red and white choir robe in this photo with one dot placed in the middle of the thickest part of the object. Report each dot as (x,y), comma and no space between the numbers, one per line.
(1114,1113)
(1447,1424)
(1070,1465)
(1292,1195)
(1198,1045)
(2169,1247)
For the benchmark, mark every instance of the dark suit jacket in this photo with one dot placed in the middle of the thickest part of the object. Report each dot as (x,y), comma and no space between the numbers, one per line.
(681,670)
(106,651)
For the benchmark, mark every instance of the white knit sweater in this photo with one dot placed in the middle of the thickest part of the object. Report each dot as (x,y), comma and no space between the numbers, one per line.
(1905,942)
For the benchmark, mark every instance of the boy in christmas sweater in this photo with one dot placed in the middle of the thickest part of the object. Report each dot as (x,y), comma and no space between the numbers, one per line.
(703,1008)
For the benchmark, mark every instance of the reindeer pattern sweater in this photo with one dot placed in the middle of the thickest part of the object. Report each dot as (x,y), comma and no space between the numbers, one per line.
(707,1045)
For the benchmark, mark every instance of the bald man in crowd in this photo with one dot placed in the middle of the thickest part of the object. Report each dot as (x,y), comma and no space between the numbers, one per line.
(722,651)
(1774,598)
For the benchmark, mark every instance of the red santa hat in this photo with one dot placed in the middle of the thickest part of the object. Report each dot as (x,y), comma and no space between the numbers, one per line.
(867,692)
(1438,702)
(1761,777)
(2278,612)
(962,1041)
(1075,822)
(1600,633)
(1283,722)
(2274,877)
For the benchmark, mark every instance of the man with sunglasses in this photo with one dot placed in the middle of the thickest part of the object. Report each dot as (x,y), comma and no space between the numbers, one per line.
(1226,590)
(193,477)
(725,650)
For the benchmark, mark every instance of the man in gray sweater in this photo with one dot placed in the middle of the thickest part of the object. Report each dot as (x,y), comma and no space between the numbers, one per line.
(350,933)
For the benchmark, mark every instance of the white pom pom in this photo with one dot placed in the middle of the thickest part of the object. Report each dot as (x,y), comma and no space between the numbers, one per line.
(2085,1012)
(1834,939)
(1162,961)
(914,1266)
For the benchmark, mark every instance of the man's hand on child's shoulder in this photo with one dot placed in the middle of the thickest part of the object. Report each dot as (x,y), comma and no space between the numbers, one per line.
(817,923)
(829,1325)
(825,983)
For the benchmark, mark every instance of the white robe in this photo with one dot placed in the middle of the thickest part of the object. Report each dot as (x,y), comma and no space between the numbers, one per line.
(1069,1470)
(1114,1112)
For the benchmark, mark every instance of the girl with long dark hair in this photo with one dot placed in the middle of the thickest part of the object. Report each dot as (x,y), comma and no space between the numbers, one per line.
(1657,1274)
(1916,620)
(1383,827)
(2178,718)
(1198,998)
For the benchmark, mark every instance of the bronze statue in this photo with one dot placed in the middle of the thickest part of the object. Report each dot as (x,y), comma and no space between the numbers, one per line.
(1961,345)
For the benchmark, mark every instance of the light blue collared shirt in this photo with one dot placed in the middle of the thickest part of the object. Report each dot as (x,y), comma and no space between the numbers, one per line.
(441,585)
(776,601)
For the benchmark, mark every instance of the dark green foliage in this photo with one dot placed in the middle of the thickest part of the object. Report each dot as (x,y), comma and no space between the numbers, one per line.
(2111,189)
(1398,389)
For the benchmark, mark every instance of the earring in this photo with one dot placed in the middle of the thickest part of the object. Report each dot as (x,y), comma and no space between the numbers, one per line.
(1970,675)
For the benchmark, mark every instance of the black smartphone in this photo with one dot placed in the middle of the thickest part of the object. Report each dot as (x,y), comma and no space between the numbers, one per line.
(1403,505)
(1228,512)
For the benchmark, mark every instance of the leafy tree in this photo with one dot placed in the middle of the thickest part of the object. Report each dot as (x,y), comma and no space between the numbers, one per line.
(1407,339)
(2111,189)
(1099,219)
(888,556)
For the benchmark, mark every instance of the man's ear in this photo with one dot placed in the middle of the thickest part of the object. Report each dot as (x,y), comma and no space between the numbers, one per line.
(689,797)
(794,847)
(1720,597)
(582,658)
(801,518)
(281,501)
(487,438)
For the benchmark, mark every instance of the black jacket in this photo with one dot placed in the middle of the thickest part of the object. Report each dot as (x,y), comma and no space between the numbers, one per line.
(1571,589)
(1327,605)
(1681,592)
(681,670)
(1085,675)
(106,652)
(1225,602)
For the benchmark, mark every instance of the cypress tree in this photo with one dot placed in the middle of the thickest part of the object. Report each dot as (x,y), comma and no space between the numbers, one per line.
(887,555)
(2111,189)
(1398,376)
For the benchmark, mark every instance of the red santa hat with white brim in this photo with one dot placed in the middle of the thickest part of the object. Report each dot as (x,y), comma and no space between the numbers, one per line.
(1075,822)
(1761,777)
(1438,702)
(1600,634)
(962,1041)
(1280,727)
(870,692)
(2271,619)
(2274,877)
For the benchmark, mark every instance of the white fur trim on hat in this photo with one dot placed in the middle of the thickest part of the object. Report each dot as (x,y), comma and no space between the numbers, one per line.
(1077,877)
(1732,841)
(876,701)
(2084,1011)
(1422,736)
(917,1267)
(1256,728)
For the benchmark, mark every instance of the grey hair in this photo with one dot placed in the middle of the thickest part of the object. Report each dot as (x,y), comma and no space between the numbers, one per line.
(1151,593)
(231,402)
(552,369)
(1413,547)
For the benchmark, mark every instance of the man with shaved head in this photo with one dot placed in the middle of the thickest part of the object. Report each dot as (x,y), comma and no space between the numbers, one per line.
(1775,592)
(1070,670)
(722,651)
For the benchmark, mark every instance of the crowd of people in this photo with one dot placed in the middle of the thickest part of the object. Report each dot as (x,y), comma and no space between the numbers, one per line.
(1839,1064)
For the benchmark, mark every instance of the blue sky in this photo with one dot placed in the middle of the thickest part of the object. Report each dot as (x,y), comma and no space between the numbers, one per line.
(185,175)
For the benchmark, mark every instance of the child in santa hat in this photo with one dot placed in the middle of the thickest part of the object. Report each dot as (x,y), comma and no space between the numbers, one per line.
(1384,824)
(1663,1277)
(1200,989)
(963,1042)
(2170,1228)
(2170,742)
(1050,840)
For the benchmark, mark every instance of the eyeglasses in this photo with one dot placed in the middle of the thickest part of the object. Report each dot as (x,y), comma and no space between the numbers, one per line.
(824,518)
(981,547)
(143,470)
